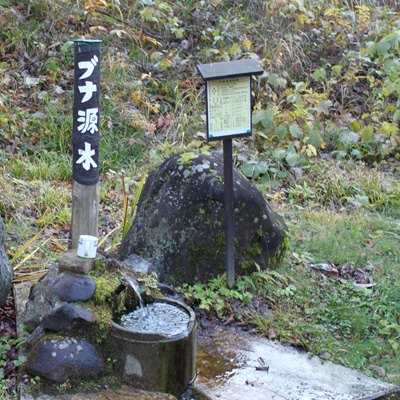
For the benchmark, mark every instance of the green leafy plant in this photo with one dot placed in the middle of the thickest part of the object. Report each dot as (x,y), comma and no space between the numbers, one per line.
(216,295)
(6,344)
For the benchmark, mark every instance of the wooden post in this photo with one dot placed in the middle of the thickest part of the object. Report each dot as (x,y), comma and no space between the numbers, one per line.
(85,140)
(85,211)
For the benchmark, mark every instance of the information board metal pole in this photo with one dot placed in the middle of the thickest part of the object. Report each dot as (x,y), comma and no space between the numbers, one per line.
(229,223)
(85,140)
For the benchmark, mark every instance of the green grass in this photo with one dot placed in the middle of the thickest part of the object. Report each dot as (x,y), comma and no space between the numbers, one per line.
(360,237)
(43,165)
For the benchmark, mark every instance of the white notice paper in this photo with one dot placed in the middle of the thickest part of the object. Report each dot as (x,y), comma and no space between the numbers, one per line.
(229,107)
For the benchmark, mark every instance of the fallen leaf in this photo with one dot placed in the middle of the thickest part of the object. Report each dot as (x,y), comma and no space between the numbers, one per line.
(333,273)
(229,320)
(272,334)
(394,377)
(370,244)
(254,383)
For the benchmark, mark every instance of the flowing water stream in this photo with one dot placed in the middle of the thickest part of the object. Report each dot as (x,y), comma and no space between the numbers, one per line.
(136,290)
(157,317)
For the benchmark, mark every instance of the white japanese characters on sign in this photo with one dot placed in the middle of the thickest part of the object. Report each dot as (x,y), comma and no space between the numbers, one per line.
(88,89)
(89,66)
(87,117)
(86,157)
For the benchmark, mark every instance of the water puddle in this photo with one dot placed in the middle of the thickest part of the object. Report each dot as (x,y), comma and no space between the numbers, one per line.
(216,364)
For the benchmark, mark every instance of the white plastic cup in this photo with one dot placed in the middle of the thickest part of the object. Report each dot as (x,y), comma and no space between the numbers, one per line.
(87,246)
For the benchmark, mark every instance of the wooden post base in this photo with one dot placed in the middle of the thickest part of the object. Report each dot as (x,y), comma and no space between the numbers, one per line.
(85,211)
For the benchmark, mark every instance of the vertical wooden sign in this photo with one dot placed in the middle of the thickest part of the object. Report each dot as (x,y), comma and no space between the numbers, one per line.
(85,140)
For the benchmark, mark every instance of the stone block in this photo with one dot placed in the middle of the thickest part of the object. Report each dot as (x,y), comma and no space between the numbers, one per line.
(71,262)
(67,317)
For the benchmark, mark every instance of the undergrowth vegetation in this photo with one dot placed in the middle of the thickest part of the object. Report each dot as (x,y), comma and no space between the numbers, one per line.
(324,150)
(337,294)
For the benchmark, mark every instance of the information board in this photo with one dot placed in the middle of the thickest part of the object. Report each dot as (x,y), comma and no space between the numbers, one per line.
(228,108)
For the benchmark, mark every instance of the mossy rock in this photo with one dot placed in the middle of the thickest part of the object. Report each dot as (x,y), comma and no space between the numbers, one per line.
(180,221)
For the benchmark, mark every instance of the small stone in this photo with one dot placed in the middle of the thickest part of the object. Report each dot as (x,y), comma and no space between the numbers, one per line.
(67,317)
(137,263)
(35,336)
(75,288)
(325,356)
(71,262)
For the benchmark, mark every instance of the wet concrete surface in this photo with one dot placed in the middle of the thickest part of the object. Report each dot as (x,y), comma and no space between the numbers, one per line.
(232,365)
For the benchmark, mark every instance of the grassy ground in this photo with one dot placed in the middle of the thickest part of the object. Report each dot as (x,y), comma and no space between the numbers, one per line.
(337,294)
(324,149)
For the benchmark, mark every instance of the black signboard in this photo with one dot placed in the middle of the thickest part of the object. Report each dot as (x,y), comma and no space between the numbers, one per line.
(86,113)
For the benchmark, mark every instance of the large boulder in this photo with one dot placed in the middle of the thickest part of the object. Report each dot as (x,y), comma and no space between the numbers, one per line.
(180,228)
(6,271)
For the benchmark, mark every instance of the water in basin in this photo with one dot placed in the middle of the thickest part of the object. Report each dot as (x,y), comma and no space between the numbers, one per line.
(158,317)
